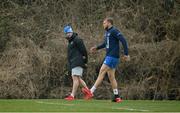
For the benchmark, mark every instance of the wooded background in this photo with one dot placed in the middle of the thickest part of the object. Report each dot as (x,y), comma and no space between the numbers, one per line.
(33,47)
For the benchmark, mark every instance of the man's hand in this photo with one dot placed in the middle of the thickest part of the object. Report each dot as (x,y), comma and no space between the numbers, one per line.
(126,58)
(93,49)
(85,65)
(84,57)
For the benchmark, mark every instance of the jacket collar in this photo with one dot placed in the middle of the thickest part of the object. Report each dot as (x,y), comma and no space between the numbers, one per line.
(109,28)
(73,37)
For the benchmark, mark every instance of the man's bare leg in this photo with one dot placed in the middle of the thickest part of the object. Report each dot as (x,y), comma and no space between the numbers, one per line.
(75,85)
(82,82)
(112,79)
(104,69)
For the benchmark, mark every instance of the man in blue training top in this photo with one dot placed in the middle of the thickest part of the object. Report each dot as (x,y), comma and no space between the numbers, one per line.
(111,43)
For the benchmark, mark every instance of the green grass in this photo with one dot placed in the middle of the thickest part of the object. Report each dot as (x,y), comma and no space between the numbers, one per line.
(58,105)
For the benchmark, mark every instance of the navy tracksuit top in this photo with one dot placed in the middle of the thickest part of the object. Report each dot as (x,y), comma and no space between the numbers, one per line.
(112,38)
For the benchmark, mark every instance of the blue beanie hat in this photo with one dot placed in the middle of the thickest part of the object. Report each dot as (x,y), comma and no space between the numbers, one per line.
(68,29)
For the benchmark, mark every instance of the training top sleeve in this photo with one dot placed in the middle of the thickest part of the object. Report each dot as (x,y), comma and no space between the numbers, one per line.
(103,45)
(119,36)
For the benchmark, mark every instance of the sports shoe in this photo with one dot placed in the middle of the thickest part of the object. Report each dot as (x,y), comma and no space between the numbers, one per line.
(118,100)
(87,93)
(69,98)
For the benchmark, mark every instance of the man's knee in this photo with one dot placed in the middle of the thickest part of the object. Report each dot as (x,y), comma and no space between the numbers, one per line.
(103,69)
(111,76)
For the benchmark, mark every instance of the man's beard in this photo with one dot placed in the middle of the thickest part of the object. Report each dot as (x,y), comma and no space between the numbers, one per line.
(106,28)
(68,38)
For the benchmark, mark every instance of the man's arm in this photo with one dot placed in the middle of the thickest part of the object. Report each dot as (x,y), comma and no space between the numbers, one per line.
(119,36)
(101,46)
(95,48)
(82,49)
(123,41)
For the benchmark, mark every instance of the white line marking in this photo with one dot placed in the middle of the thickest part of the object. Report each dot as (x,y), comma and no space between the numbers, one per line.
(51,103)
(131,109)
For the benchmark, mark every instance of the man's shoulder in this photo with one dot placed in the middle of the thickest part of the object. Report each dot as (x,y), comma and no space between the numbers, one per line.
(115,32)
(77,40)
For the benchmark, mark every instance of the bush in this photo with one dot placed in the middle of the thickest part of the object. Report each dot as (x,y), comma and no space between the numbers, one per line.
(33,47)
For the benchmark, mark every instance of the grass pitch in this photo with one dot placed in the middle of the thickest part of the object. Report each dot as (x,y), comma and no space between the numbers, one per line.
(59,105)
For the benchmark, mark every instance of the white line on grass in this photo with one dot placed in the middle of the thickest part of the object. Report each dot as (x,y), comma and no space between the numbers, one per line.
(131,109)
(51,103)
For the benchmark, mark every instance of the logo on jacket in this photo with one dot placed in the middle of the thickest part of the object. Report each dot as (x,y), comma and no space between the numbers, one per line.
(108,34)
(71,42)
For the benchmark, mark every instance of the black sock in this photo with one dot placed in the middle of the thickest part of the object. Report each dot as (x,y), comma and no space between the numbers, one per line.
(116,96)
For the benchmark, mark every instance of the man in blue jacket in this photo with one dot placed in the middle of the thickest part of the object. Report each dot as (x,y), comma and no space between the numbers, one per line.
(112,38)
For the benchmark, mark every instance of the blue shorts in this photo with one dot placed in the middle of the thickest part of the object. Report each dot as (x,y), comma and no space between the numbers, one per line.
(111,62)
